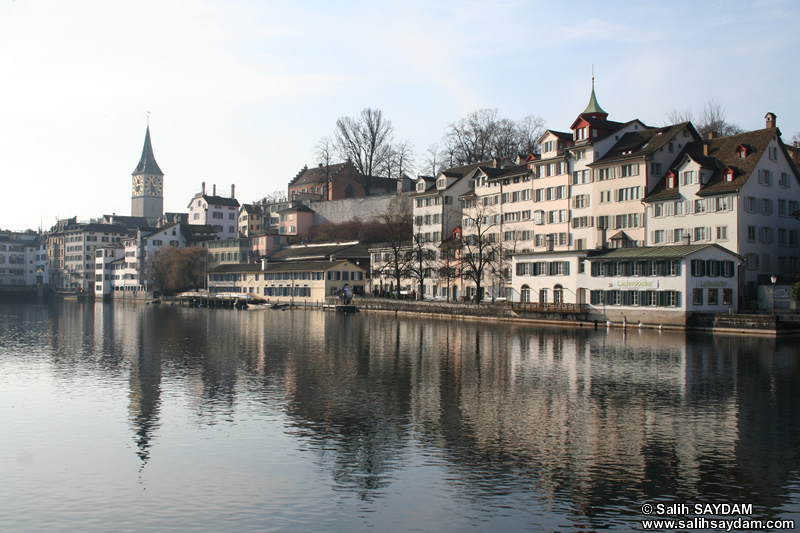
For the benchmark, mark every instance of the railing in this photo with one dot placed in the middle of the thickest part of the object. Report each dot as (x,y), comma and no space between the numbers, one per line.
(530,307)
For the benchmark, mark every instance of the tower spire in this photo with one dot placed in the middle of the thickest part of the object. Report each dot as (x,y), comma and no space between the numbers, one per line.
(593,106)
(147,163)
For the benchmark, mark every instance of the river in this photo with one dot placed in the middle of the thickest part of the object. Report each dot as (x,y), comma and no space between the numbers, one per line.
(127,417)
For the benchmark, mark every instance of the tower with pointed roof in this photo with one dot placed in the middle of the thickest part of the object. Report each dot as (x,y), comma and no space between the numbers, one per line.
(147,193)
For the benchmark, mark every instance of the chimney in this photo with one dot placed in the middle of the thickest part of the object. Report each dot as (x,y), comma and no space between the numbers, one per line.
(233,191)
(496,162)
(706,146)
(771,120)
(711,135)
(686,239)
(203,190)
(215,190)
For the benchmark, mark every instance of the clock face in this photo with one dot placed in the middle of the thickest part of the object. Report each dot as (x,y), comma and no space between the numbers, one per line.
(152,185)
(137,185)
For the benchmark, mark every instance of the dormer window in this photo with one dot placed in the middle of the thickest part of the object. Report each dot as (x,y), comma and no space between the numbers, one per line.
(742,151)
(671,181)
(441,183)
(729,175)
(421,186)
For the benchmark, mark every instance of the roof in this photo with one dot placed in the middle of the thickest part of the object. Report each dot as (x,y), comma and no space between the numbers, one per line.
(128,222)
(216,200)
(198,232)
(147,163)
(722,154)
(308,252)
(297,209)
(302,266)
(320,174)
(677,251)
(508,172)
(641,143)
(252,209)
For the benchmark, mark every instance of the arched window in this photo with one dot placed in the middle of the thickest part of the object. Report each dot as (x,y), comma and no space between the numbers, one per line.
(558,294)
(525,294)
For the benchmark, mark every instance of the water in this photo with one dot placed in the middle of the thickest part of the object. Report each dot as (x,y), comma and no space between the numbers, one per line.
(143,418)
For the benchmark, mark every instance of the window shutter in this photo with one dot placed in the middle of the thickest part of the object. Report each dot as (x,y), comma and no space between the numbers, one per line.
(635,169)
(566,268)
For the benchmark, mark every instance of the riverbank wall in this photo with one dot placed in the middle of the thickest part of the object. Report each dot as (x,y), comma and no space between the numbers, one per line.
(748,324)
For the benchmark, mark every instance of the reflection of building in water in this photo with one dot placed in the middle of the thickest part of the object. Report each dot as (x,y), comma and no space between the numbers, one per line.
(145,383)
(598,414)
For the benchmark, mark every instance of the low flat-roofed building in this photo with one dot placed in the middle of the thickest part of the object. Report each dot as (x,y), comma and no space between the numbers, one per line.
(290,281)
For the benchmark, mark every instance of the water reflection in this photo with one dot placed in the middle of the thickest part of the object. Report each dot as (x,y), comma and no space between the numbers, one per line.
(540,427)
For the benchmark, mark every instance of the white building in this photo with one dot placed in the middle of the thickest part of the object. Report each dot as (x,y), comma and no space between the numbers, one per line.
(218,211)
(654,285)
(739,192)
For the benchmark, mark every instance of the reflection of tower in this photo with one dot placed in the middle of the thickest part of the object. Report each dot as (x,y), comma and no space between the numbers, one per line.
(147,193)
(145,392)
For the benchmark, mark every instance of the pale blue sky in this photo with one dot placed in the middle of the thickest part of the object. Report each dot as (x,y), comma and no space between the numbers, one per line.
(241,91)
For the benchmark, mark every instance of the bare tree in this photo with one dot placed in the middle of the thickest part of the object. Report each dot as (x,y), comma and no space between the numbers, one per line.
(711,119)
(396,239)
(422,258)
(530,130)
(470,139)
(432,160)
(278,195)
(324,154)
(678,116)
(366,140)
(402,158)
(481,250)
(482,135)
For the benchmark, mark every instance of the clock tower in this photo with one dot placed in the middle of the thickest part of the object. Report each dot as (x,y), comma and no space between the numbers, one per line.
(147,193)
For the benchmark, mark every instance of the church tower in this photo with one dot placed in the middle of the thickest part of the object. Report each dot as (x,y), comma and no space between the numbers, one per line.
(147,194)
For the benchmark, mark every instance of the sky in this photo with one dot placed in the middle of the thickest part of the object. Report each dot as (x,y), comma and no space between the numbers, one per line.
(240,92)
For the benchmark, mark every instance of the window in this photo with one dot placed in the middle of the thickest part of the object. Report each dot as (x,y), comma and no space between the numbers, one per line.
(700,234)
(713,295)
(765,177)
(697,296)
(722,233)
(631,169)
(727,296)
(658,236)
(655,169)
(580,201)
(765,234)
(688,177)
(699,206)
(784,180)
(580,177)
(751,233)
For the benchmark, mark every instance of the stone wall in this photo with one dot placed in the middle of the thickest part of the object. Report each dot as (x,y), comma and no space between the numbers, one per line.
(338,211)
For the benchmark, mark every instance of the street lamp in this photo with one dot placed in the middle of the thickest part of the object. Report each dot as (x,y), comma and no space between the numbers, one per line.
(774,279)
